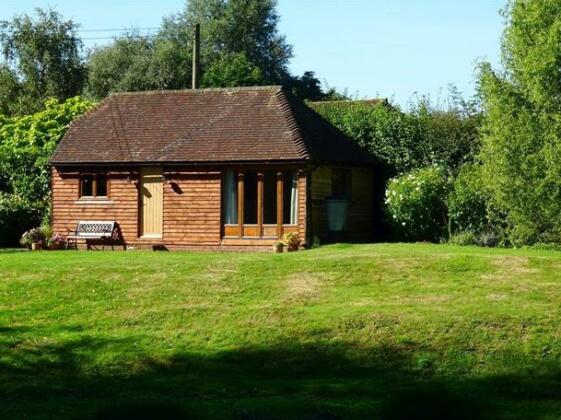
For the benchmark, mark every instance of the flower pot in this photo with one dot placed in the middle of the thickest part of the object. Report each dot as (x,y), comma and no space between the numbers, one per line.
(278,247)
(36,246)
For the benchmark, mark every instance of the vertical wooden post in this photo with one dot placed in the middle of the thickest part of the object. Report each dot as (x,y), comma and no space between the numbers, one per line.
(94,185)
(280,194)
(260,204)
(240,203)
(196,61)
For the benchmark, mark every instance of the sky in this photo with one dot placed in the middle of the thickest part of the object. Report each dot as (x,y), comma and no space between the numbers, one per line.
(372,48)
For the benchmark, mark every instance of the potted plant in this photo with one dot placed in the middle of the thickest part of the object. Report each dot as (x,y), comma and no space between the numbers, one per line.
(292,241)
(47,232)
(35,238)
(26,240)
(278,247)
(56,242)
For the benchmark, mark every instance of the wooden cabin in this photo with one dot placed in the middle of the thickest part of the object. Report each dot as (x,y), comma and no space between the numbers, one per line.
(210,169)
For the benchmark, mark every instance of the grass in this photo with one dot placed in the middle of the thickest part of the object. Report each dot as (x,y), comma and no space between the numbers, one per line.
(344,331)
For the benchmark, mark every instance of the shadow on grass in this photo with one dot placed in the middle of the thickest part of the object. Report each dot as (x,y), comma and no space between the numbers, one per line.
(284,380)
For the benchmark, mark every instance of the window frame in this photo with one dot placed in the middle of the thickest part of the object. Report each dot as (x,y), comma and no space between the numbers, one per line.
(238,229)
(94,195)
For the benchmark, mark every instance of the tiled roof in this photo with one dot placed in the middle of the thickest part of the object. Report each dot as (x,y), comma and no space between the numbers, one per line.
(260,124)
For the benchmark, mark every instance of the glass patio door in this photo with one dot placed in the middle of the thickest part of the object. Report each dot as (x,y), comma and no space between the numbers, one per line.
(259,204)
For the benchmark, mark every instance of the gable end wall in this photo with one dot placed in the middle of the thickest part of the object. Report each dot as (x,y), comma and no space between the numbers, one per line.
(360,221)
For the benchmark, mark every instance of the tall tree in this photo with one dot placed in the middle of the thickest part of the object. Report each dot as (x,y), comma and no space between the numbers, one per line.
(134,63)
(232,69)
(522,132)
(240,46)
(307,86)
(10,91)
(45,55)
(235,26)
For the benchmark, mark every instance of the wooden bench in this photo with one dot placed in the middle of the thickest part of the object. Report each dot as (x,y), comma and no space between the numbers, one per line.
(104,233)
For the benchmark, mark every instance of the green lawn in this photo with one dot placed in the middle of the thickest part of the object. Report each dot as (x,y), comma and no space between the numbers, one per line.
(359,331)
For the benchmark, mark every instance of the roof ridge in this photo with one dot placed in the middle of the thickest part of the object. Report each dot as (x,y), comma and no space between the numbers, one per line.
(271,88)
(288,113)
(373,101)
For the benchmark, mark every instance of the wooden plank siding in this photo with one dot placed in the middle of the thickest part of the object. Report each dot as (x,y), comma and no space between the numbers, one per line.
(192,203)
(192,200)
(320,190)
(361,210)
(68,209)
(360,225)
(302,201)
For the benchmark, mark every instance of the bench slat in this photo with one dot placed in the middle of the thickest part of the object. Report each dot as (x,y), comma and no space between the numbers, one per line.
(95,229)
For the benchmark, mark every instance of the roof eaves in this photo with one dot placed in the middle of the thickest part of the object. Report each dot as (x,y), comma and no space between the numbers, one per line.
(179,162)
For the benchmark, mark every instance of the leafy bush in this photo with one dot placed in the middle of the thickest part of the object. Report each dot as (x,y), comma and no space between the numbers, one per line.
(291,240)
(416,202)
(387,133)
(26,144)
(26,239)
(449,132)
(467,204)
(463,239)
(56,242)
(521,144)
(32,236)
(426,135)
(16,216)
(489,238)
(46,231)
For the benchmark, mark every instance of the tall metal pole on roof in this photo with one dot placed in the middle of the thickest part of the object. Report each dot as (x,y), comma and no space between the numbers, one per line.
(196,62)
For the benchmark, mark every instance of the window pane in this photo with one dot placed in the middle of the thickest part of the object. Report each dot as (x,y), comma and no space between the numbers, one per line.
(250,199)
(270,198)
(230,198)
(101,186)
(289,196)
(87,186)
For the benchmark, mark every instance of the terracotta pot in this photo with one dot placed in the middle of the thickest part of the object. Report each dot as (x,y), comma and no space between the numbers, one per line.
(278,248)
(36,246)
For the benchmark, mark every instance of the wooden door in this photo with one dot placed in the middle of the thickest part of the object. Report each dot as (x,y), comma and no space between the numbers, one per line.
(151,202)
